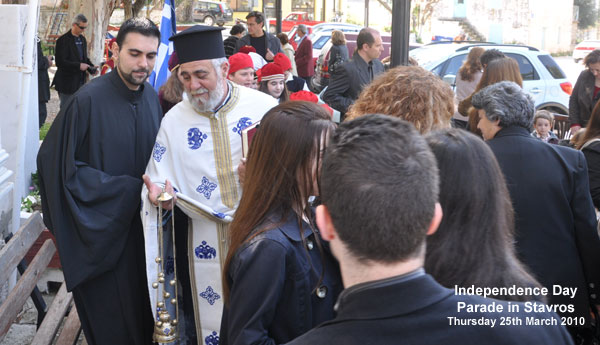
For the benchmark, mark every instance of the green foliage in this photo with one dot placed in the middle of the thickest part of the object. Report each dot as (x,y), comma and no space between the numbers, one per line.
(44,130)
(588,13)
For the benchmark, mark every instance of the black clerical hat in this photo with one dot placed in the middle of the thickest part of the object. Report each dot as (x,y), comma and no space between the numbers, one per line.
(200,42)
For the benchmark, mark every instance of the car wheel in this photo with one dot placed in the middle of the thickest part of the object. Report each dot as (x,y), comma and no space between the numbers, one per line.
(208,20)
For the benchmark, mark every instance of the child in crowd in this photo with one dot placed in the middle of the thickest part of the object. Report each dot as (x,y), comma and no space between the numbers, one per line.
(272,82)
(543,120)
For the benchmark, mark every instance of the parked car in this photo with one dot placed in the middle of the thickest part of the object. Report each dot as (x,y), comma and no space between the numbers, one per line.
(292,19)
(584,48)
(543,79)
(323,27)
(321,78)
(211,12)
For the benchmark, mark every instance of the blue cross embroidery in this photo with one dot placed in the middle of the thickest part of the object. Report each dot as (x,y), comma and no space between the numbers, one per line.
(204,251)
(195,138)
(241,125)
(210,295)
(169,265)
(212,339)
(206,188)
(158,151)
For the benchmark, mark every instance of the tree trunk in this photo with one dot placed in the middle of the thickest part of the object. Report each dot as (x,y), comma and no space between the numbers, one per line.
(128,12)
(98,14)
(137,7)
(185,13)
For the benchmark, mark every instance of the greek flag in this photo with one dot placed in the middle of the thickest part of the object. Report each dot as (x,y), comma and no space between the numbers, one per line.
(167,29)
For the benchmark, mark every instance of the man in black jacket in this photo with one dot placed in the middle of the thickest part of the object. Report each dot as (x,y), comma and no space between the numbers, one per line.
(358,72)
(266,45)
(379,189)
(72,60)
(555,222)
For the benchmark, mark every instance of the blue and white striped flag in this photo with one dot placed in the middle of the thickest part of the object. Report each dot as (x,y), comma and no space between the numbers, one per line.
(168,28)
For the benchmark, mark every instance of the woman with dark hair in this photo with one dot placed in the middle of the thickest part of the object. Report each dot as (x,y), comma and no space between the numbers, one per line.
(589,144)
(338,54)
(467,79)
(585,93)
(501,69)
(474,242)
(272,82)
(279,279)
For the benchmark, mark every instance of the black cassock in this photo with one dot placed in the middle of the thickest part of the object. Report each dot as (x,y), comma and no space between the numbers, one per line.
(90,167)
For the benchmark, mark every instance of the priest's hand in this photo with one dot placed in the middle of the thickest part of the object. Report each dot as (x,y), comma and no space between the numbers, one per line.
(154,191)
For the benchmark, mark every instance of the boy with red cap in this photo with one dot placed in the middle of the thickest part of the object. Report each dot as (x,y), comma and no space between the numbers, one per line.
(293,83)
(241,70)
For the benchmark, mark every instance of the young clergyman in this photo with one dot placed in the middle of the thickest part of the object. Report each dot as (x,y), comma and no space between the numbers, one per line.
(90,167)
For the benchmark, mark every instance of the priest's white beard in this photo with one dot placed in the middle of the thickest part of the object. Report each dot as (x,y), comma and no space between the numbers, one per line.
(214,97)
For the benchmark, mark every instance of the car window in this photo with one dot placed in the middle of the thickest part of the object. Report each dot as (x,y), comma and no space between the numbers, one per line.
(214,7)
(320,42)
(203,5)
(293,17)
(454,65)
(438,70)
(528,72)
(551,66)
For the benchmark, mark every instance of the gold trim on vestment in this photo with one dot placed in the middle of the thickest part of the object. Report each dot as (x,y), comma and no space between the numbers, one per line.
(222,150)
(193,286)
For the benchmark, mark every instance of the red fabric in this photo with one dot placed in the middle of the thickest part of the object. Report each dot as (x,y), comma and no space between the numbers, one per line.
(173,61)
(270,71)
(304,96)
(304,59)
(109,64)
(240,61)
(247,49)
(283,61)
(596,89)
(309,97)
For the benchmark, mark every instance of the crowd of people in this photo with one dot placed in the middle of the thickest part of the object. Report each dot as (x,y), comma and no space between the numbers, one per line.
(360,232)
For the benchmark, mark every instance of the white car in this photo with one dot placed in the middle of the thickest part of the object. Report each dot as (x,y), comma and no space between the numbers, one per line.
(584,48)
(321,34)
(543,79)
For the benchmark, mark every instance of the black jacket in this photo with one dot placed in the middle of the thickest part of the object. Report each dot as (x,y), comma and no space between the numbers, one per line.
(273,44)
(69,78)
(582,99)
(273,279)
(414,309)
(555,222)
(345,86)
(43,78)
(338,54)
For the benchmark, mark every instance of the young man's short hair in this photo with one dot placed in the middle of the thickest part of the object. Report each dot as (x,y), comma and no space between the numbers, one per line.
(380,185)
(258,16)
(141,25)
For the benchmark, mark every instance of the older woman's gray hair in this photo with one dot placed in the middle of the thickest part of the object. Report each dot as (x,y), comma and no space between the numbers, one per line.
(507,102)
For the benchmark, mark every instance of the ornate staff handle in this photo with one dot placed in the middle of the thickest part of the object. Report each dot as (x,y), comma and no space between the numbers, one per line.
(165,328)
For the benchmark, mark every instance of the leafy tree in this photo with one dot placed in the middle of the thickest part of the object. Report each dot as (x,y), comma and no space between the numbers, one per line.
(588,13)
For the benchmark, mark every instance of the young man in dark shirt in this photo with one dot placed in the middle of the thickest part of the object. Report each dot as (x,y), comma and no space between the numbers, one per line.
(266,45)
